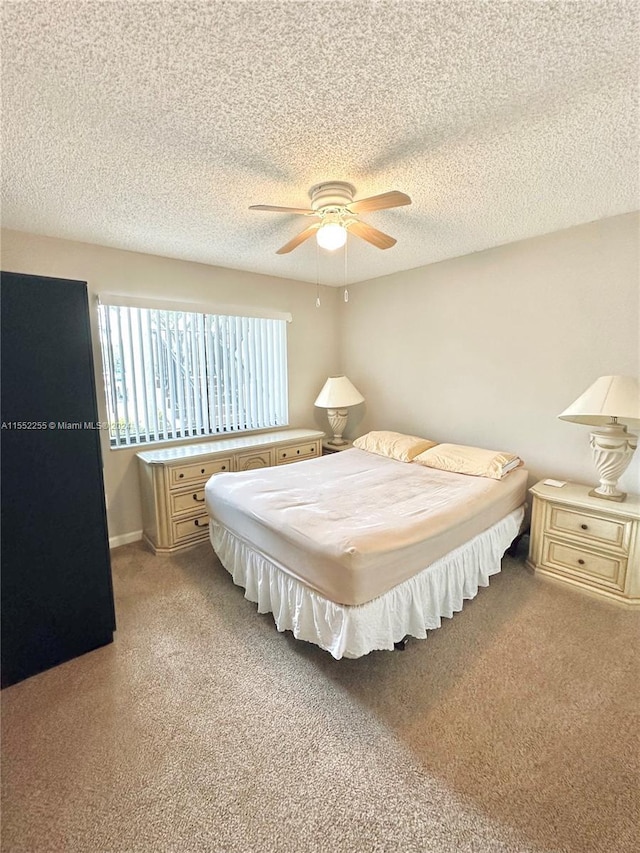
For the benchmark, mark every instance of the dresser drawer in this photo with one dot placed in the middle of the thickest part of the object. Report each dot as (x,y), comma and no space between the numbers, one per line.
(186,502)
(602,569)
(200,472)
(190,528)
(255,459)
(605,531)
(296,452)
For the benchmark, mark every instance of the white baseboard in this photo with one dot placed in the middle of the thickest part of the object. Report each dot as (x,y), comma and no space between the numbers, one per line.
(125,539)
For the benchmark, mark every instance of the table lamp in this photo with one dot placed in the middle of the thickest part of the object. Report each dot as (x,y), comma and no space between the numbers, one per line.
(612,404)
(336,396)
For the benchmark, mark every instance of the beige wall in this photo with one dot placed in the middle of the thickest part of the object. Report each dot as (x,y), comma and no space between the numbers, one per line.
(487,349)
(312,336)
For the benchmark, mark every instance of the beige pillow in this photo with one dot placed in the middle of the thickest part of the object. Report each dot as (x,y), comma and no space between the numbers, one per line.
(469,460)
(396,445)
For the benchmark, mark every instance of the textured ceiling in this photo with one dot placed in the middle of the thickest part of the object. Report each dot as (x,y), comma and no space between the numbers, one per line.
(152,126)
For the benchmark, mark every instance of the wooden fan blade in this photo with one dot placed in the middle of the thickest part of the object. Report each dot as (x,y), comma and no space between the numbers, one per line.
(379,202)
(305,212)
(299,238)
(371,235)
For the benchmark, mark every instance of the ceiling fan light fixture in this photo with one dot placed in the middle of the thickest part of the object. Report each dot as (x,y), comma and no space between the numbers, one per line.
(334,212)
(331,236)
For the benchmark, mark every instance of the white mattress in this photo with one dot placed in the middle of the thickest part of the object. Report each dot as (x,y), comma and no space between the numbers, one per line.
(353,525)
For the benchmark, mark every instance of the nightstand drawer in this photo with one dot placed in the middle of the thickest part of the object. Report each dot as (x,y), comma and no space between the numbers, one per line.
(589,527)
(197,473)
(607,571)
(189,528)
(182,502)
(296,452)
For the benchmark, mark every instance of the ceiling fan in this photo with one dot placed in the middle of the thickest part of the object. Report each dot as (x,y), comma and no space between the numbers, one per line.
(335,213)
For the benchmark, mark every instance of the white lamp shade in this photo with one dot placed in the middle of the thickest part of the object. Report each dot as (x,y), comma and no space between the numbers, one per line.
(338,393)
(609,397)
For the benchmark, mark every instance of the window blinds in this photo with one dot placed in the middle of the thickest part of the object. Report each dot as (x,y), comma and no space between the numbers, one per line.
(172,374)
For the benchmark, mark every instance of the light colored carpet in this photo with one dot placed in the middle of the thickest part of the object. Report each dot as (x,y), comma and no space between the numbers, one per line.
(514,727)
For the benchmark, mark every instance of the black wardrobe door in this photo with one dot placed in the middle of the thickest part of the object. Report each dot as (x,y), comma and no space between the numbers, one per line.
(57,599)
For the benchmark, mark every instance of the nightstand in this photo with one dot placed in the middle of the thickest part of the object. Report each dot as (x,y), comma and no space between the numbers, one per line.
(328,449)
(586,542)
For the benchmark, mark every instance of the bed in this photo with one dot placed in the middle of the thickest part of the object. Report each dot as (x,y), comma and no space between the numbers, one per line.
(356,551)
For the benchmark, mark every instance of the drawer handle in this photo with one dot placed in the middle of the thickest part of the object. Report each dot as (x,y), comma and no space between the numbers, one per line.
(180,476)
(581,562)
(197,499)
(284,455)
(224,468)
(197,523)
(584,526)
(297,451)
(202,470)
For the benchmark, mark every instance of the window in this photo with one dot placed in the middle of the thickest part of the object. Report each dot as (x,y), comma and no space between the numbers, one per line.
(174,374)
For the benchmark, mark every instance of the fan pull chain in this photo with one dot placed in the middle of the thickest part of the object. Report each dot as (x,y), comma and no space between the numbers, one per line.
(346,291)
(317,275)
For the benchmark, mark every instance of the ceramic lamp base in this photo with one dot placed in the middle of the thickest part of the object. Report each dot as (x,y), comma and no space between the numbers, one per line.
(612,448)
(337,421)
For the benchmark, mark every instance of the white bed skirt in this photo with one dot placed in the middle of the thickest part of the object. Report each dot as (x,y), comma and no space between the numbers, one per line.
(409,609)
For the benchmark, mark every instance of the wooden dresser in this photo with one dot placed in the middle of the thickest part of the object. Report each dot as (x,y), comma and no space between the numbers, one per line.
(172,480)
(588,542)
